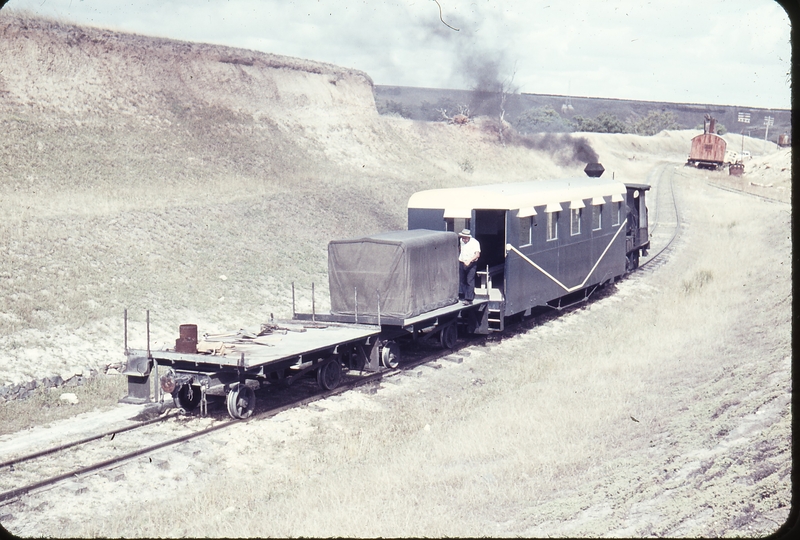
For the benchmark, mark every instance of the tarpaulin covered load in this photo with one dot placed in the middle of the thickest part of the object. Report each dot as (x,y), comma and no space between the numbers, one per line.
(413,272)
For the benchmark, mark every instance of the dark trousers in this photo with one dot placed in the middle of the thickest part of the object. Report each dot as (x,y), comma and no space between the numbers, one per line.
(467,279)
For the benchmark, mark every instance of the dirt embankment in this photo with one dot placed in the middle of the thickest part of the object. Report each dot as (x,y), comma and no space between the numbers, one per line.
(90,73)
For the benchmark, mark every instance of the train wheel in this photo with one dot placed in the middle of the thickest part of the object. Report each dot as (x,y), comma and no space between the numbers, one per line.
(632,261)
(241,401)
(390,355)
(186,397)
(329,374)
(448,336)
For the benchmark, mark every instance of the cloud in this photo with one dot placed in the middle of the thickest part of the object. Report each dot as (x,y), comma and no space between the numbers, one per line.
(681,50)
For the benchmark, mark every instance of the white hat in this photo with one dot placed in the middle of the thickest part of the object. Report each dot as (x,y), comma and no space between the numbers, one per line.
(465,232)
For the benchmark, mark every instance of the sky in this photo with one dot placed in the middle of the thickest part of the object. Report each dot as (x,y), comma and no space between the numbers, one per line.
(725,52)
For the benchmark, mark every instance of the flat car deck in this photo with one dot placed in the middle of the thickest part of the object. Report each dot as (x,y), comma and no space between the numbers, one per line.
(250,352)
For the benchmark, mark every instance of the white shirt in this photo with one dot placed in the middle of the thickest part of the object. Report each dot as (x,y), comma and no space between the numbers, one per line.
(468,250)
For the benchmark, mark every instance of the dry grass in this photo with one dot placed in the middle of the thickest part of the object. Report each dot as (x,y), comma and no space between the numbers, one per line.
(45,406)
(513,436)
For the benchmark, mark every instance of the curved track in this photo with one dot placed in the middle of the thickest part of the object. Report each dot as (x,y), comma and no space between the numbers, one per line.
(664,215)
(26,473)
(105,451)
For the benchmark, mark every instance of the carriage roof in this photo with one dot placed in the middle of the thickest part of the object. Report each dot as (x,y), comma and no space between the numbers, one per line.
(519,195)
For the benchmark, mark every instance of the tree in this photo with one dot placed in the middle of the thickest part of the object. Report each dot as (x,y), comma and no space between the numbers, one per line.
(655,122)
(505,88)
(461,117)
(392,107)
(602,123)
(541,120)
(432,112)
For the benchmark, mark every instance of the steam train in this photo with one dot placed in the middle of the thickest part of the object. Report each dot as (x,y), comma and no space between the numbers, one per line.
(542,243)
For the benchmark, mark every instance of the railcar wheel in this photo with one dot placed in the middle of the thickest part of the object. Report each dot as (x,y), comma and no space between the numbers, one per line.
(329,374)
(390,355)
(632,261)
(241,401)
(186,397)
(448,336)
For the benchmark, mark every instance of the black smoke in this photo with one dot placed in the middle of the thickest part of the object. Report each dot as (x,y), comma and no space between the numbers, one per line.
(488,71)
(485,70)
(566,149)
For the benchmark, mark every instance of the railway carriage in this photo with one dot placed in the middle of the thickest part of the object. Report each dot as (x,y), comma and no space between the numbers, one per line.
(541,241)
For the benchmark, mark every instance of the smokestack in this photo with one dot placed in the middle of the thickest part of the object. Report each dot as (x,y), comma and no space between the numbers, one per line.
(712,124)
(594,170)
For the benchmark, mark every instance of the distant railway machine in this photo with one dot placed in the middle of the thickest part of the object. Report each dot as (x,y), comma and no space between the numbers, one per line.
(708,149)
(543,243)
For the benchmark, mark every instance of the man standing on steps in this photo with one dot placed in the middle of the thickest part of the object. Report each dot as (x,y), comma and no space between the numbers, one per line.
(468,264)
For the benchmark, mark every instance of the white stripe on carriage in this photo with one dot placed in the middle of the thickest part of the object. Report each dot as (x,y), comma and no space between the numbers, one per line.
(509,247)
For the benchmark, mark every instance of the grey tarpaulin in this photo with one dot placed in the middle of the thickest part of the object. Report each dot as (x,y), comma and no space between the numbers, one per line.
(414,271)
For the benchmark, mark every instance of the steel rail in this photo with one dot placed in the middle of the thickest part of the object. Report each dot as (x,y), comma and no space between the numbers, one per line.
(112,461)
(79,442)
(678,224)
(743,192)
(353,383)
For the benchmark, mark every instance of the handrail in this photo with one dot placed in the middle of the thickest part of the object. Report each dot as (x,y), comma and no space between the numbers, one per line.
(583,283)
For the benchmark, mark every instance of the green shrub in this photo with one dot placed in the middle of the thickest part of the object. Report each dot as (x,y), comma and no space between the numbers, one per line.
(697,281)
(393,107)
(654,122)
(541,120)
(602,123)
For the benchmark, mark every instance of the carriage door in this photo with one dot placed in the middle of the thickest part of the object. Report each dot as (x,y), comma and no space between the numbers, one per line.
(489,229)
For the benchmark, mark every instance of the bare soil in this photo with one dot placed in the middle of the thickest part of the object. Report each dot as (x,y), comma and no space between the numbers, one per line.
(200,181)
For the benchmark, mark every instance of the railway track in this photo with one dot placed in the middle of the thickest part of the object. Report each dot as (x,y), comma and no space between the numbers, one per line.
(743,192)
(664,216)
(109,451)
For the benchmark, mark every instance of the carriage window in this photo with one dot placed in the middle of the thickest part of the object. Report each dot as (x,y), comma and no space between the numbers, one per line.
(575,222)
(552,225)
(597,217)
(616,212)
(525,231)
(457,224)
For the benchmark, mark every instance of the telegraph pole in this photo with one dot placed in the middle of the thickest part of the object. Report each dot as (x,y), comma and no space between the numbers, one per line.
(744,118)
(768,121)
